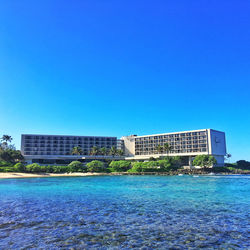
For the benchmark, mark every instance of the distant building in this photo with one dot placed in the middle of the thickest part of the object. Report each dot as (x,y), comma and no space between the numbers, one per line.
(187,144)
(56,149)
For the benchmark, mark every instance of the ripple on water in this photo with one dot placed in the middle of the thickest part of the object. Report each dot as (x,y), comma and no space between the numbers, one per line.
(124,212)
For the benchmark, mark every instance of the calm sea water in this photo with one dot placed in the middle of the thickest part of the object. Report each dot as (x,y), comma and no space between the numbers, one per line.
(114,212)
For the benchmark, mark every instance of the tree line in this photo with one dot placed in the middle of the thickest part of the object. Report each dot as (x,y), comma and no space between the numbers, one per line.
(164,165)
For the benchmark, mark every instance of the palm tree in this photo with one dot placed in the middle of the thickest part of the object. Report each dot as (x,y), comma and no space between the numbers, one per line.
(103,151)
(120,152)
(228,157)
(167,148)
(113,151)
(5,139)
(76,151)
(159,149)
(94,150)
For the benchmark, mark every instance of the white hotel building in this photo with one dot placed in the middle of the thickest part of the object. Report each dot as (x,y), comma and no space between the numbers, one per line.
(55,149)
(187,144)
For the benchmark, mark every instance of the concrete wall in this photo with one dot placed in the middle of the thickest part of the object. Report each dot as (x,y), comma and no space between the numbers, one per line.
(219,159)
(129,145)
(217,142)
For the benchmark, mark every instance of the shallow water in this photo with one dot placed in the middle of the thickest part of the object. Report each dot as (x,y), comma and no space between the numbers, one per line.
(113,212)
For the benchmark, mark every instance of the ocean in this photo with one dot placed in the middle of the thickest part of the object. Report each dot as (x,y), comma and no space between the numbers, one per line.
(121,212)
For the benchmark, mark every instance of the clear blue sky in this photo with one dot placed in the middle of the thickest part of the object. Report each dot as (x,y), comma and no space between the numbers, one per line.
(116,68)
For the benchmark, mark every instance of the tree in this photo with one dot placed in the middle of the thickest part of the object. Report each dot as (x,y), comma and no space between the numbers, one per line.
(120,152)
(167,147)
(76,151)
(165,165)
(136,167)
(113,151)
(150,166)
(96,166)
(6,138)
(204,161)
(159,149)
(119,166)
(103,151)
(242,164)
(228,156)
(11,155)
(4,142)
(19,167)
(76,166)
(177,161)
(33,168)
(94,150)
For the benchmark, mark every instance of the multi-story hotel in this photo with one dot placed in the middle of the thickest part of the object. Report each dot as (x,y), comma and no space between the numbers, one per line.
(51,149)
(187,144)
(57,149)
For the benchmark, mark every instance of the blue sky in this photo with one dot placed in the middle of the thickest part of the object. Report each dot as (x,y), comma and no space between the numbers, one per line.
(126,67)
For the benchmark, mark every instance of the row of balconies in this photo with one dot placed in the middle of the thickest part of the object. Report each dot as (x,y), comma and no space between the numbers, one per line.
(53,152)
(57,148)
(66,137)
(173,136)
(69,145)
(171,144)
(68,141)
(173,139)
(175,148)
(171,152)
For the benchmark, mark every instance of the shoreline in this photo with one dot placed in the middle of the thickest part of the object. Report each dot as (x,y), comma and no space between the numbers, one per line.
(15,175)
(11,175)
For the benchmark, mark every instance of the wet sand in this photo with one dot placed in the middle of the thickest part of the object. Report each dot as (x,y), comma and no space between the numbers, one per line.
(29,175)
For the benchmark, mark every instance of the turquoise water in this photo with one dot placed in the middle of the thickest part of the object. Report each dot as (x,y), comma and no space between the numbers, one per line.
(114,212)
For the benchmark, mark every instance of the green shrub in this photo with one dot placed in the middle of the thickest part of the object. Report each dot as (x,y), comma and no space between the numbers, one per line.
(5,164)
(154,166)
(7,169)
(33,168)
(136,167)
(19,167)
(119,166)
(60,169)
(96,166)
(242,164)
(204,161)
(150,166)
(48,169)
(10,155)
(77,166)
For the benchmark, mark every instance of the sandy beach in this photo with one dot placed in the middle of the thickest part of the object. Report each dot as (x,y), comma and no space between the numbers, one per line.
(29,175)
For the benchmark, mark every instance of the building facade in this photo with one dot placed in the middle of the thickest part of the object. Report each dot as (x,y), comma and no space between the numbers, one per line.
(187,144)
(56,149)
